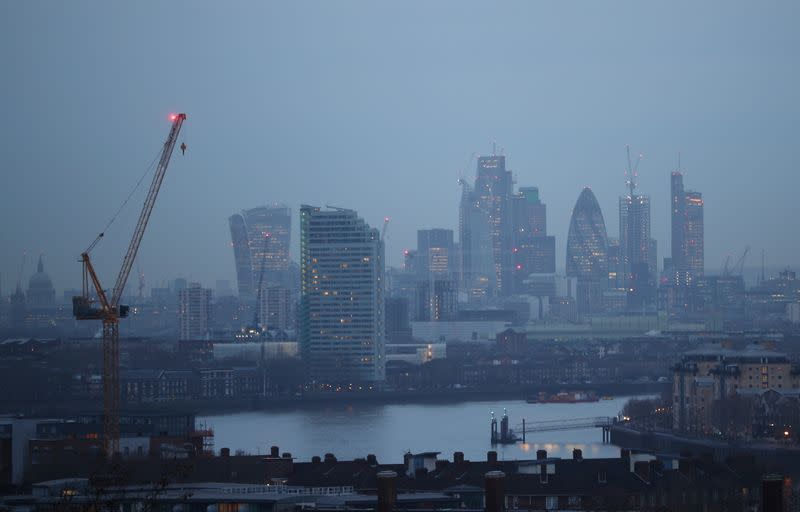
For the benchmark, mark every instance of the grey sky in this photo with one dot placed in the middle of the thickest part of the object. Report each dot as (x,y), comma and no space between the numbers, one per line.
(377,106)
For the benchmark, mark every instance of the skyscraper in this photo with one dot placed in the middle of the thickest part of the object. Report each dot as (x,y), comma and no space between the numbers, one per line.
(341,297)
(687,232)
(194,312)
(587,251)
(435,252)
(534,252)
(637,248)
(487,229)
(261,238)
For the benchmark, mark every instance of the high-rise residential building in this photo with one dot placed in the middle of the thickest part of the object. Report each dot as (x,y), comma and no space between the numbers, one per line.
(534,252)
(261,238)
(341,317)
(435,253)
(587,252)
(398,326)
(275,308)
(687,232)
(486,229)
(194,312)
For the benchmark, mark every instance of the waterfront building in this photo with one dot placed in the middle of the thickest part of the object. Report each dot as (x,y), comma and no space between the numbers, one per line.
(717,372)
(194,312)
(341,314)
(587,252)
(261,238)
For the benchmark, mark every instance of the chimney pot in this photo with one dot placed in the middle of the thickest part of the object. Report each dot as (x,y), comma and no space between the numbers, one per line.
(494,491)
(387,490)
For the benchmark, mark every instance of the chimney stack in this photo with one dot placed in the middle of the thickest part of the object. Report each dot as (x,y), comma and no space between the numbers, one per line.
(387,490)
(274,452)
(458,458)
(491,457)
(772,493)
(577,454)
(541,454)
(494,491)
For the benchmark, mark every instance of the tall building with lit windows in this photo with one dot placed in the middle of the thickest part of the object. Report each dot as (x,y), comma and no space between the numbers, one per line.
(687,232)
(260,238)
(341,317)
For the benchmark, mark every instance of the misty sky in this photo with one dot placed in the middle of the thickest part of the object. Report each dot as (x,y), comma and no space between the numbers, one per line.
(377,106)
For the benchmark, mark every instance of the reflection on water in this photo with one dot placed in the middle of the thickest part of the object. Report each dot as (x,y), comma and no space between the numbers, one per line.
(388,431)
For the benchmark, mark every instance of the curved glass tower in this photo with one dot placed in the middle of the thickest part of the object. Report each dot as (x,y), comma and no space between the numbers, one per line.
(587,251)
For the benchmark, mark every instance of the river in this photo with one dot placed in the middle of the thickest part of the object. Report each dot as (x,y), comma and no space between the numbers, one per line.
(388,431)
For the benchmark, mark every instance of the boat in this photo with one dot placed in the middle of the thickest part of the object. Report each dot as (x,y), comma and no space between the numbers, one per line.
(563,397)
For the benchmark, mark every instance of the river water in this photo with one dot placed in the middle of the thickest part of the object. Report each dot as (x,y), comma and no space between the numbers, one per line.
(388,431)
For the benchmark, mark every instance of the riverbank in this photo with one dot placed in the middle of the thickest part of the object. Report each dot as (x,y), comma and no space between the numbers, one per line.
(779,457)
(310,400)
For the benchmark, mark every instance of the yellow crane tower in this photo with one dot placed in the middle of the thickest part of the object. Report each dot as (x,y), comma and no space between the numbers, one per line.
(84,307)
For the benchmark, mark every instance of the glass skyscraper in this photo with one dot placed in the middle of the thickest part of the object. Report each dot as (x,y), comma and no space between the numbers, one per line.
(260,238)
(587,251)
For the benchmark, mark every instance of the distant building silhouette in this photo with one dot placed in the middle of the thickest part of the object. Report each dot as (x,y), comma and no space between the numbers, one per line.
(486,230)
(688,249)
(40,289)
(194,312)
(341,314)
(261,239)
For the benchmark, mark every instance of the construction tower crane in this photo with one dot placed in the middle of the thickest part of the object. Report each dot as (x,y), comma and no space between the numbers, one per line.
(385,225)
(109,310)
(257,320)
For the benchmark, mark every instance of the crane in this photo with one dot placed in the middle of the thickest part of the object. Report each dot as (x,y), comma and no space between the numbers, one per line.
(632,172)
(257,320)
(385,225)
(109,310)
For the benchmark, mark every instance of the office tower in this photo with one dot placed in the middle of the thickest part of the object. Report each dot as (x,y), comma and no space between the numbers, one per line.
(486,229)
(694,236)
(260,239)
(194,312)
(441,305)
(435,253)
(587,252)
(534,252)
(275,308)
(341,297)
(687,232)
(637,248)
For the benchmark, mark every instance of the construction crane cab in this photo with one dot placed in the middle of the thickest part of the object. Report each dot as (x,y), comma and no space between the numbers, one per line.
(85,308)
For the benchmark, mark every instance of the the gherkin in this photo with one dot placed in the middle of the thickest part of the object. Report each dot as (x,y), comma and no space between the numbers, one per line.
(587,242)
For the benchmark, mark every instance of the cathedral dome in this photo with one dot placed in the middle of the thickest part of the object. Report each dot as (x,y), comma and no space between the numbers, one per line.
(40,288)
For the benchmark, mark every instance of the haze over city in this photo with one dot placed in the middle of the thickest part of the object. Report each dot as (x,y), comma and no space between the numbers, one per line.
(378,108)
(355,256)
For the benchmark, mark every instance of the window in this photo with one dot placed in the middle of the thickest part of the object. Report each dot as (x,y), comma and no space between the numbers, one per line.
(551,503)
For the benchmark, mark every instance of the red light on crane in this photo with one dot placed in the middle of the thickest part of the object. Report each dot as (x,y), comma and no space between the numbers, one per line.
(173,117)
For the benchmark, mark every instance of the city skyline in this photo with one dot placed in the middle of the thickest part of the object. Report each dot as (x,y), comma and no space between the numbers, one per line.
(707,98)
